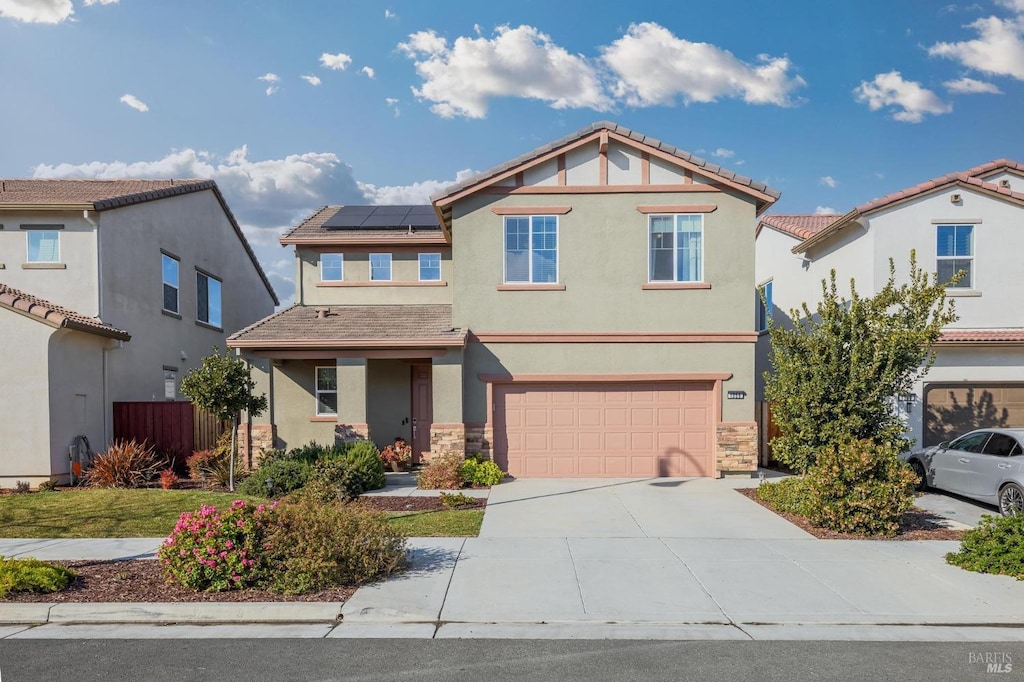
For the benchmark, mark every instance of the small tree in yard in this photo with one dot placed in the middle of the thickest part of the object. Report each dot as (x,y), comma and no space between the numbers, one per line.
(838,371)
(222,386)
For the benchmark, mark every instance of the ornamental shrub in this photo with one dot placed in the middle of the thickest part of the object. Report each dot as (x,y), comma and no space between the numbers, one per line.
(457,500)
(215,550)
(314,546)
(477,472)
(859,487)
(32,575)
(367,467)
(125,464)
(995,546)
(212,468)
(276,478)
(168,479)
(786,495)
(443,473)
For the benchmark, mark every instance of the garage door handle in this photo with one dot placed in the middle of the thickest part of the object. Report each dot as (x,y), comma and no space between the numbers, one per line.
(964,460)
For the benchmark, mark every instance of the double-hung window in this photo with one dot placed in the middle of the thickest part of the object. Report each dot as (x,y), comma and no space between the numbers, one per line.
(43,246)
(332,267)
(208,309)
(169,268)
(531,249)
(764,306)
(430,267)
(676,248)
(326,391)
(954,251)
(380,267)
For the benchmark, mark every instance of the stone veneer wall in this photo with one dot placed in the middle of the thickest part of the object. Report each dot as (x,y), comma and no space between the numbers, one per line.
(349,433)
(478,439)
(258,437)
(736,447)
(447,438)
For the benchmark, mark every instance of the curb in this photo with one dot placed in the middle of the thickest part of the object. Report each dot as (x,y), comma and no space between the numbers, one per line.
(164,613)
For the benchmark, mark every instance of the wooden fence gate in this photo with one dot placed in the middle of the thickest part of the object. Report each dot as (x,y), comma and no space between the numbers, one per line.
(175,428)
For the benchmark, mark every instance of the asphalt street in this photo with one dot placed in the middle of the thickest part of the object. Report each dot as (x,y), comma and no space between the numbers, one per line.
(537,661)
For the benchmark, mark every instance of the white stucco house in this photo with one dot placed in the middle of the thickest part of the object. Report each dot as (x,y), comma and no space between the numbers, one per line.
(961,221)
(110,290)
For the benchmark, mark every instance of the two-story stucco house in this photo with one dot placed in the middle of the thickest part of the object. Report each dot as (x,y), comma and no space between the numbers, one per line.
(966,221)
(585,309)
(109,291)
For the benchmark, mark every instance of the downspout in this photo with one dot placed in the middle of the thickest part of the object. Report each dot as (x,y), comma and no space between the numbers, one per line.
(99,313)
(99,264)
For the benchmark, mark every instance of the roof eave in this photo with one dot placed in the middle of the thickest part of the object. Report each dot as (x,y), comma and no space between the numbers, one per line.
(349,344)
(361,241)
(47,207)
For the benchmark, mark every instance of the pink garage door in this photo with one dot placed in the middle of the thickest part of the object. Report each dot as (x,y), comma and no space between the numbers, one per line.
(619,429)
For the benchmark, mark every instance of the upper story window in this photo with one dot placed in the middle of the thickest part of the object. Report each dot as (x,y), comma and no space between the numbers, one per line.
(531,249)
(326,391)
(208,308)
(676,248)
(332,267)
(764,306)
(430,267)
(380,267)
(43,246)
(954,251)
(169,267)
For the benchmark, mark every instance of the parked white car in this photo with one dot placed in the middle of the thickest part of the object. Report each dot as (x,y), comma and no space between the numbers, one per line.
(985,465)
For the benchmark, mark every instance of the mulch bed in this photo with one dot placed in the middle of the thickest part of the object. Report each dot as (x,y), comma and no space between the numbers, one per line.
(143,581)
(916,524)
(395,503)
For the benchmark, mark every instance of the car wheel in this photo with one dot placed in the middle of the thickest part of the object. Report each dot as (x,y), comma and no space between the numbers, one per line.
(922,479)
(1011,500)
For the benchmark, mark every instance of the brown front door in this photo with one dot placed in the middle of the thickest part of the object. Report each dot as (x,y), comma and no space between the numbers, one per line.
(422,409)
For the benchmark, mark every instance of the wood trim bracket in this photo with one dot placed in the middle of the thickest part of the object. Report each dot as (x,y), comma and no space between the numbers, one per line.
(678,208)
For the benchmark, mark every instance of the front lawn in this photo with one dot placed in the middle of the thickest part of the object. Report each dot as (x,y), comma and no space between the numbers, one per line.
(447,523)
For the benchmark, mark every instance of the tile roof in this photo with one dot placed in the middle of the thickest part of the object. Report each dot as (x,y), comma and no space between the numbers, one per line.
(1011,335)
(352,326)
(800,226)
(312,230)
(705,166)
(55,315)
(103,195)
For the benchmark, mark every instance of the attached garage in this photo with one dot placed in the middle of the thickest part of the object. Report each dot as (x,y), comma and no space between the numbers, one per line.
(954,409)
(605,429)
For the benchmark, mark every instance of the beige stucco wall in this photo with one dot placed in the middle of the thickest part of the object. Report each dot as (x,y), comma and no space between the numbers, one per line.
(24,399)
(388,400)
(295,404)
(76,393)
(610,358)
(73,286)
(404,270)
(603,263)
(447,378)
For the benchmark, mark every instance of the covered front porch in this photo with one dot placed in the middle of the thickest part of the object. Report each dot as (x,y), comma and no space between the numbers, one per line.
(342,373)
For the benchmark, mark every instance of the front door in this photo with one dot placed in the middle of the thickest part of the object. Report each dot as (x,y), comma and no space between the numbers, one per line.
(422,409)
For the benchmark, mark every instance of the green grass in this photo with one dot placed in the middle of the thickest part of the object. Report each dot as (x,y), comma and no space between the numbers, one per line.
(448,523)
(101,513)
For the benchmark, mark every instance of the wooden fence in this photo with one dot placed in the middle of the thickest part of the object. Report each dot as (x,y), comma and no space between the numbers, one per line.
(176,428)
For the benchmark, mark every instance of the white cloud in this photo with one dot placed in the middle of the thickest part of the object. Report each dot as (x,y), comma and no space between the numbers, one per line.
(37,11)
(723,153)
(998,49)
(392,103)
(828,181)
(269,78)
(312,80)
(824,210)
(135,103)
(1013,5)
(518,62)
(100,2)
(416,193)
(969,86)
(653,67)
(388,14)
(336,62)
(368,70)
(910,100)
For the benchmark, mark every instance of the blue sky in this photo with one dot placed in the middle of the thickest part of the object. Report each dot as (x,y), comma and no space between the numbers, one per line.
(833,103)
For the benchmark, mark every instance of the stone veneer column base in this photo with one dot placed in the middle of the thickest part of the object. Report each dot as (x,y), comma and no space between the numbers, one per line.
(447,439)
(260,437)
(736,448)
(479,438)
(349,433)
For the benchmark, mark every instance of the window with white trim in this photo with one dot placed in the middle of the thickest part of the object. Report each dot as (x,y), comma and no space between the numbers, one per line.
(531,249)
(43,246)
(764,305)
(332,267)
(430,267)
(380,267)
(676,247)
(208,303)
(326,391)
(954,251)
(169,268)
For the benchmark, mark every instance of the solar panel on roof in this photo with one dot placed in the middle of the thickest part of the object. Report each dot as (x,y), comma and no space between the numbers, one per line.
(384,221)
(392,210)
(421,210)
(382,217)
(421,220)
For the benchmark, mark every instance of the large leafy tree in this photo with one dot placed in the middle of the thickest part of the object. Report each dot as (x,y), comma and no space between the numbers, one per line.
(222,386)
(838,371)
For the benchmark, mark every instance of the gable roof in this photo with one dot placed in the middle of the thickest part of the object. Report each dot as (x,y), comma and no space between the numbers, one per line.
(765,195)
(799,226)
(55,315)
(313,231)
(105,195)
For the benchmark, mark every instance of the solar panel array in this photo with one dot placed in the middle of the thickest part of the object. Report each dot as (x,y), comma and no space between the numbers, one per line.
(383,218)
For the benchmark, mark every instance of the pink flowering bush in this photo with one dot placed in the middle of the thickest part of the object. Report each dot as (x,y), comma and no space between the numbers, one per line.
(218,550)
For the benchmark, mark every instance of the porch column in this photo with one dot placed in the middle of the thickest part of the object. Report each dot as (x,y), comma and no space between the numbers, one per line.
(448,432)
(351,400)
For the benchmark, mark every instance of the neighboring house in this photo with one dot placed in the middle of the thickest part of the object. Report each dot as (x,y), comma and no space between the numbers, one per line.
(585,309)
(109,291)
(962,221)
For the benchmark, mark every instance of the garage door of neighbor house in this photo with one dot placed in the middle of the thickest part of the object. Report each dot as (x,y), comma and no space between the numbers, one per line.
(605,429)
(954,409)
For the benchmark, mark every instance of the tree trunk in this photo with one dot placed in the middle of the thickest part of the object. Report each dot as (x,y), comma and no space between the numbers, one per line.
(234,445)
